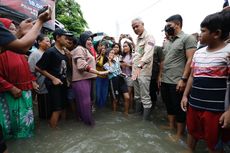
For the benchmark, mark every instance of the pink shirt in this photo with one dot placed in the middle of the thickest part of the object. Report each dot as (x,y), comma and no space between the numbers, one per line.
(81,60)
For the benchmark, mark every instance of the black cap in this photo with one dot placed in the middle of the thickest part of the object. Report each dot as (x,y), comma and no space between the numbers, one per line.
(60,32)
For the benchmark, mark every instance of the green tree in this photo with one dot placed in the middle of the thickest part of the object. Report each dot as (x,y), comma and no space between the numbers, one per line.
(69,13)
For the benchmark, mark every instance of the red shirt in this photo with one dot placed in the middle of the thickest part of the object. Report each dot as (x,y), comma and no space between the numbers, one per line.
(14,71)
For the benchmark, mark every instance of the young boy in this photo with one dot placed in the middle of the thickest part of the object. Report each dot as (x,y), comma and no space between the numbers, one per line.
(117,82)
(207,86)
(53,65)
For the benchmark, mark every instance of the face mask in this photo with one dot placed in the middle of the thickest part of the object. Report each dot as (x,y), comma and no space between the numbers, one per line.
(169,30)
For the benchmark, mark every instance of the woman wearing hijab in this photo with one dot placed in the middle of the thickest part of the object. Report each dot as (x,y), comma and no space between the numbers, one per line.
(84,71)
(16,83)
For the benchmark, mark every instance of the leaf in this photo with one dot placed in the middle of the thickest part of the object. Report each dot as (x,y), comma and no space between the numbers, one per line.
(69,13)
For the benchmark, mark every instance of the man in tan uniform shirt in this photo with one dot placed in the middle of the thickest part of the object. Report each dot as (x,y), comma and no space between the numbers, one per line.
(142,66)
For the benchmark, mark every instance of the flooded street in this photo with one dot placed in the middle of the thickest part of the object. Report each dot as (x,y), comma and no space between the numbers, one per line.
(113,133)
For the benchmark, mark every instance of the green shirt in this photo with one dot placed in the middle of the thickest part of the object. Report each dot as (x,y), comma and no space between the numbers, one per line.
(175,57)
(158,57)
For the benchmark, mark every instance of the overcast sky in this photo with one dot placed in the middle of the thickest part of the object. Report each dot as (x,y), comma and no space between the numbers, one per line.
(114,16)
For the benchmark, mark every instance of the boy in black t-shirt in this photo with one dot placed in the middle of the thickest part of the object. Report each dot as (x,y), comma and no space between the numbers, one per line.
(53,64)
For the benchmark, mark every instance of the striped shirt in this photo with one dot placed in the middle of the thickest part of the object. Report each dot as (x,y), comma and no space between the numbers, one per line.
(210,72)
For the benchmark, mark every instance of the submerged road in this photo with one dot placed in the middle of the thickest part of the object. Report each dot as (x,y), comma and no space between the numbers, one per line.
(113,133)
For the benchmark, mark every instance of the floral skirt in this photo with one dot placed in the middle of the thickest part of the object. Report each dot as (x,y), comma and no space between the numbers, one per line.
(16,115)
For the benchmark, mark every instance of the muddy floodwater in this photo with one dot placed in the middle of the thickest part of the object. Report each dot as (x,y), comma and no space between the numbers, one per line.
(112,133)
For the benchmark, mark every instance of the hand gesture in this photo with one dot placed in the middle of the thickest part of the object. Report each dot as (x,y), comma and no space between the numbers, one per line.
(122,36)
(180,86)
(24,27)
(225,119)
(136,74)
(103,72)
(16,93)
(227,8)
(45,16)
(67,53)
(57,81)
(35,85)
(112,39)
(159,82)
(184,103)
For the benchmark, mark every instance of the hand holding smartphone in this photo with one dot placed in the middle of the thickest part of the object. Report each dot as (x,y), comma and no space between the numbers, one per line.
(45,13)
(42,10)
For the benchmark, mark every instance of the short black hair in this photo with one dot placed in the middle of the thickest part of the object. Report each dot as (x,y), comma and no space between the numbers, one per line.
(75,40)
(40,38)
(119,46)
(226,18)
(175,18)
(217,21)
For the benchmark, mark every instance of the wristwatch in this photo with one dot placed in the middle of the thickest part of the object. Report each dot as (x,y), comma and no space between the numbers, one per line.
(184,79)
(139,66)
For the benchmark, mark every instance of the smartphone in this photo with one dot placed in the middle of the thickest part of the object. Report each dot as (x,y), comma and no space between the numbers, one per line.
(45,8)
(123,75)
(100,34)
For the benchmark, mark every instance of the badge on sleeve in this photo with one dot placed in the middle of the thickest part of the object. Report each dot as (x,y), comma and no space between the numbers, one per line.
(151,43)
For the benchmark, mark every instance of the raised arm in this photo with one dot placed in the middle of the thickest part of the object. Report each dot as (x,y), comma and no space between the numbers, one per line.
(28,33)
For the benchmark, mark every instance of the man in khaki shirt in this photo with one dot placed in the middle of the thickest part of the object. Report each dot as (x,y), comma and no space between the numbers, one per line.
(142,66)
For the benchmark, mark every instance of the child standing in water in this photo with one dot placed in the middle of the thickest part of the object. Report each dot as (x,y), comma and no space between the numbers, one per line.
(207,116)
(117,82)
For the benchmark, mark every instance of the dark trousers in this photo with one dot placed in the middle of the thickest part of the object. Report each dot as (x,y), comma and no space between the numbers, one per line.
(44,108)
(172,100)
(153,91)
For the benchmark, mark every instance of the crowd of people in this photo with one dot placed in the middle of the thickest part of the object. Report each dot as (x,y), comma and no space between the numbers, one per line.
(84,74)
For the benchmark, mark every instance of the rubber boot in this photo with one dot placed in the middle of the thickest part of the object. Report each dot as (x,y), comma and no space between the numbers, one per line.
(146,114)
(138,108)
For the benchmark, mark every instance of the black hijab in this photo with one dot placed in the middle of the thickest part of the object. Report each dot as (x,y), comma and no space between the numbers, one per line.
(84,37)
